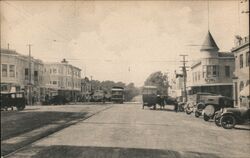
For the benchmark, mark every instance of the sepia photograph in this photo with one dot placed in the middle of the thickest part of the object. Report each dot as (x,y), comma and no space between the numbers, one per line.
(124,79)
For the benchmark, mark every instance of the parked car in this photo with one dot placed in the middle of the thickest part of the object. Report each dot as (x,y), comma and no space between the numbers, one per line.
(212,104)
(58,100)
(229,117)
(195,101)
(12,99)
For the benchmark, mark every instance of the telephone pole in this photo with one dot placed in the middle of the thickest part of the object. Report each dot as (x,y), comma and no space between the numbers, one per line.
(184,70)
(30,84)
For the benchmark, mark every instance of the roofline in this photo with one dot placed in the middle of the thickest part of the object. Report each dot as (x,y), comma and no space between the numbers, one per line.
(233,50)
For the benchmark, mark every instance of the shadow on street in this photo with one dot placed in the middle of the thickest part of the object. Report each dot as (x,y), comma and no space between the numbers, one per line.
(59,151)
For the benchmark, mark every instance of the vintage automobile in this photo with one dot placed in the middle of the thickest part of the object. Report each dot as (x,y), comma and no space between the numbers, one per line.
(229,117)
(58,100)
(212,104)
(149,96)
(195,101)
(12,99)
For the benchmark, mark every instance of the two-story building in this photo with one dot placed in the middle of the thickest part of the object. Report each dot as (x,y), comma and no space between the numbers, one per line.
(213,72)
(242,61)
(21,72)
(62,78)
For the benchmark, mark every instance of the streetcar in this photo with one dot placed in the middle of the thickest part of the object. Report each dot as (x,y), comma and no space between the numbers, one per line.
(117,95)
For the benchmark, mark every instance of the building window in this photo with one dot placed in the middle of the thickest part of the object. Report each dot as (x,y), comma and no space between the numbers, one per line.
(36,75)
(227,71)
(12,70)
(204,71)
(247,59)
(54,71)
(241,61)
(26,73)
(4,70)
(212,70)
(54,82)
(199,75)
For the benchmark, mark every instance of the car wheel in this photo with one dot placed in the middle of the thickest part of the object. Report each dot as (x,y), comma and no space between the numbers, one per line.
(188,111)
(197,114)
(228,121)
(205,117)
(217,120)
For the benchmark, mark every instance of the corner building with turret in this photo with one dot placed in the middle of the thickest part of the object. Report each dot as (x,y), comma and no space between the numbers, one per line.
(213,72)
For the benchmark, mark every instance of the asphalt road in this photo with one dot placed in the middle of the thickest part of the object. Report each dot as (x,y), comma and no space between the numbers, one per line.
(126,130)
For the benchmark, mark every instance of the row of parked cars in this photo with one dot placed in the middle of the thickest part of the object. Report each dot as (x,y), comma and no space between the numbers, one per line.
(219,108)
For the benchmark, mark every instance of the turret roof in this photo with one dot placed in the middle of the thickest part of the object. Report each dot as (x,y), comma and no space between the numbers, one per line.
(209,43)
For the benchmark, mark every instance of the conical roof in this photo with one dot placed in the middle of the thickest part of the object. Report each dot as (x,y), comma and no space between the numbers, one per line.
(209,43)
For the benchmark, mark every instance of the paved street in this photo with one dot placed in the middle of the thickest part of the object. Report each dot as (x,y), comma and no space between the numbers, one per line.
(126,130)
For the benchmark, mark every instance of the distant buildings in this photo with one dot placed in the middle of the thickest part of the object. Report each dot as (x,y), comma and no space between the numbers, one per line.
(62,78)
(242,61)
(43,78)
(214,71)
(15,73)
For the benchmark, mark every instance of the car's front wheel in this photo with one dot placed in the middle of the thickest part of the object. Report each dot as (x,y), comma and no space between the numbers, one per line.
(205,117)
(217,118)
(197,114)
(228,121)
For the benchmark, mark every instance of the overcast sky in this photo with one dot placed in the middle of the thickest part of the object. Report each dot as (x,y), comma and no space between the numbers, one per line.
(120,41)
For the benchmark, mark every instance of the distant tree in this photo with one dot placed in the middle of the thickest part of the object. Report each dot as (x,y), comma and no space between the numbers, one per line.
(159,80)
(131,91)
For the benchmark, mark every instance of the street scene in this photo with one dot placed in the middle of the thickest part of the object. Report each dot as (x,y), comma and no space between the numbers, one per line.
(121,79)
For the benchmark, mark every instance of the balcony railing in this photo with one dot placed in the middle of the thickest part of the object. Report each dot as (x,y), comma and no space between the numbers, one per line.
(242,41)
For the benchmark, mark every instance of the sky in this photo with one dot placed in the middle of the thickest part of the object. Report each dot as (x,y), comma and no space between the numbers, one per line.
(120,40)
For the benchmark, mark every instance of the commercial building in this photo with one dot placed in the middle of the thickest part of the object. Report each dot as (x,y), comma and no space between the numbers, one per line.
(18,72)
(62,78)
(213,72)
(242,61)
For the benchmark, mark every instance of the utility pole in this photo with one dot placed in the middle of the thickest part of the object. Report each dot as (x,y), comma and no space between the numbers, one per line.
(184,70)
(29,84)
